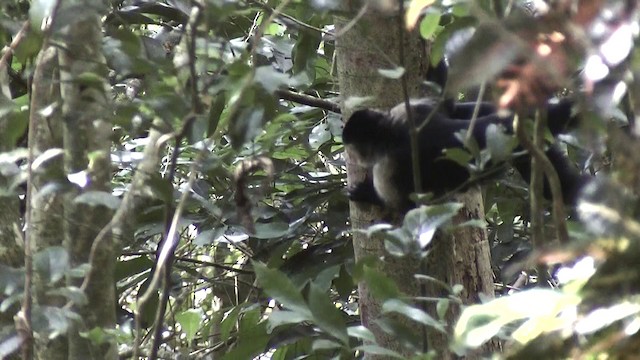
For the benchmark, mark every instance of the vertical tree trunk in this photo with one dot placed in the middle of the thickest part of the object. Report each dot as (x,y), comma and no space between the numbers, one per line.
(362,50)
(86,142)
(372,43)
(45,212)
(461,257)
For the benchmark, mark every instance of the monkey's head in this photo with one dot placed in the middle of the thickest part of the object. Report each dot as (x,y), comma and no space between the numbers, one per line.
(371,134)
(368,134)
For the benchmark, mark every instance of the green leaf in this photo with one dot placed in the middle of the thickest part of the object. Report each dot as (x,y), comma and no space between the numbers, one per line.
(14,121)
(270,79)
(423,222)
(380,285)
(160,187)
(413,313)
(499,144)
(442,307)
(271,230)
(306,50)
(486,54)
(326,315)
(207,237)
(378,350)
(320,134)
(252,337)
(132,266)
(98,335)
(438,47)
(91,80)
(11,280)
(361,332)
(190,321)
(479,323)
(230,320)
(71,293)
(461,156)
(51,321)
(285,317)
(429,25)
(52,263)
(343,283)
(279,287)
(324,344)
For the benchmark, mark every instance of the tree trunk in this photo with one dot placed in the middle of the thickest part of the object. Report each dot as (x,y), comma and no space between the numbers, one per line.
(45,212)
(372,43)
(361,52)
(463,257)
(87,148)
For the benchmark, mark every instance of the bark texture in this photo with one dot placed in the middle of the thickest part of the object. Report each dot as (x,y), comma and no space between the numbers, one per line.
(362,49)
(462,257)
(86,142)
(45,211)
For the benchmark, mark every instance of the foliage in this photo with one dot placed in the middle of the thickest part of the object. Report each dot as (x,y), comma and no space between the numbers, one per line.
(251,79)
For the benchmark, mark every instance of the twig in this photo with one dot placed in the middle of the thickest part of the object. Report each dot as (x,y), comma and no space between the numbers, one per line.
(536,182)
(354,21)
(413,130)
(8,50)
(474,116)
(554,181)
(308,100)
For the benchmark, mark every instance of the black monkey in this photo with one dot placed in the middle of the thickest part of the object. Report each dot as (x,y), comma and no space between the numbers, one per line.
(381,141)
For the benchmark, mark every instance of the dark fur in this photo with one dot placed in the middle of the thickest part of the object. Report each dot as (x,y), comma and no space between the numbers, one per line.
(381,141)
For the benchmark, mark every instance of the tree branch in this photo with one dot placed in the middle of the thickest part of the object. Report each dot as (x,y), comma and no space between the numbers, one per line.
(308,100)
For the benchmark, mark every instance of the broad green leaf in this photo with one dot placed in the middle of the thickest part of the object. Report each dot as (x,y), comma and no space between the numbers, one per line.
(361,332)
(499,144)
(325,344)
(270,230)
(229,322)
(429,25)
(326,315)
(52,263)
(279,287)
(378,350)
(190,321)
(423,222)
(252,337)
(413,313)
(132,266)
(285,317)
(71,293)
(380,285)
(11,280)
(414,10)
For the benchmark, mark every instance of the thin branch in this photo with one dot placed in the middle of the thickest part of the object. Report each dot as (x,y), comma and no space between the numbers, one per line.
(413,130)
(554,182)
(536,183)
(8,50)
(474,116)
(305,99)
(290,18)
(354,21)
